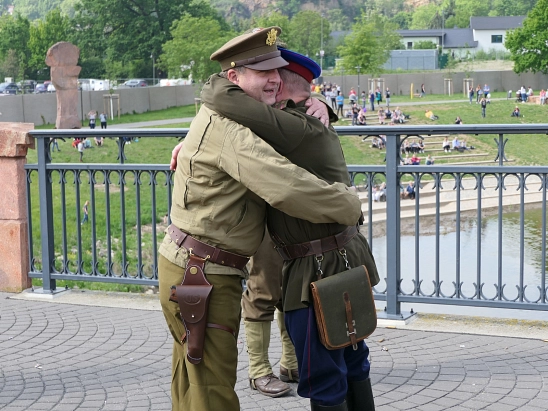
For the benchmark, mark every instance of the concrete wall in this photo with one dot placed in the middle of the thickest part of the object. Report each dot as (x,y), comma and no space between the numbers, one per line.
(412,60)
(400,84)
(42,108)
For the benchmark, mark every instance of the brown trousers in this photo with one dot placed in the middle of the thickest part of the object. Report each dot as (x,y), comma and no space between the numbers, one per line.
(208,386)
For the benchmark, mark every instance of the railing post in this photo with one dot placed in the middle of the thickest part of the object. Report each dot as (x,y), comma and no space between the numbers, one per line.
(46,214)
(393,256)
(14,250)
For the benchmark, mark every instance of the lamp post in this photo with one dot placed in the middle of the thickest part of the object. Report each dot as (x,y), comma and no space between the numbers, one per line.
(153,69)
(358,68)
(321,38)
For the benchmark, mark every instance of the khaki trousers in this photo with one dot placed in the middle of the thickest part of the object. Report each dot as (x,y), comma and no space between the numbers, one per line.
(264,285)
(263,295)
(208,386)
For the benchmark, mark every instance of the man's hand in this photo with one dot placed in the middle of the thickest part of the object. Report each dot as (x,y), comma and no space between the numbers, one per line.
(317,109)
(174,154)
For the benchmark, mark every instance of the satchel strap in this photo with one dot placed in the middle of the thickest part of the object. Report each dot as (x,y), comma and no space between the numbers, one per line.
(350,323)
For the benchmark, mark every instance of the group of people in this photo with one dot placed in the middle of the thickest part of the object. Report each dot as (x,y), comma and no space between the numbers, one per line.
(480,93)
(523,94)
(252,154)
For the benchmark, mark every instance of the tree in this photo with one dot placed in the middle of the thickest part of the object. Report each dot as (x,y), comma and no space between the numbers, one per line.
(423,16)
(44,34)
(189,50)
(512,7)
(131,31)
(528,45)
(369,44)
(424,45)
(275,19)
(305,31)
(14,39)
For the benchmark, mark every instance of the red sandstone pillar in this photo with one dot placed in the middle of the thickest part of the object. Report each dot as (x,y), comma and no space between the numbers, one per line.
(14,250)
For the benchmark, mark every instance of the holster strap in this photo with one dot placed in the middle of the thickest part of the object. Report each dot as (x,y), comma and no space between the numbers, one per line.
(206,251)
(315,247)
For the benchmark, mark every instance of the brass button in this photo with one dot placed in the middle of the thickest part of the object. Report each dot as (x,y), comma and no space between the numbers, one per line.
(232,64)
(193,270)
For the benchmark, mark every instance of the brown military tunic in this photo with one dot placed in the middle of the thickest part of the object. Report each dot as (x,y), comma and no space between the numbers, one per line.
(313,147)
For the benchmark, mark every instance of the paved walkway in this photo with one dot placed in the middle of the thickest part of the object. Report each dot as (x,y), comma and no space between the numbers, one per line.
(85,351)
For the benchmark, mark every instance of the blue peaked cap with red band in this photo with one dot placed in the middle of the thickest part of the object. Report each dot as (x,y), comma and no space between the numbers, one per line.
(302,65)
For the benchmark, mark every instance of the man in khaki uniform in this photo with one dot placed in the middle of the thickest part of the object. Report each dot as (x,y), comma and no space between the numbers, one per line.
(224,176)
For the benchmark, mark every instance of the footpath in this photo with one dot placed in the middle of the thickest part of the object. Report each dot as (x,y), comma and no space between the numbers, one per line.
(87,350)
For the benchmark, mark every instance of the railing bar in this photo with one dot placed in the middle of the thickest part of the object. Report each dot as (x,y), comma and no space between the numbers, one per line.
(138,216)
(478,238)
(109,271)
(77,179)
(154,234)
(29,225)
(437,236)
(544,186)
(370,182)
(63,182)
(522,238)
(123,223)
(499,239)
(416,182)
(457,235)
(93,222)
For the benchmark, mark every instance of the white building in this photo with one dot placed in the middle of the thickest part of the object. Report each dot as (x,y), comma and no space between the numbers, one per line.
(485,33)
(490,32)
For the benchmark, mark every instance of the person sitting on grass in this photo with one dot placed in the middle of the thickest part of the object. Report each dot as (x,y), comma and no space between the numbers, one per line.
(429,160)
(458,120)
(430,115)
(361,117)
(415,161)
(516,112)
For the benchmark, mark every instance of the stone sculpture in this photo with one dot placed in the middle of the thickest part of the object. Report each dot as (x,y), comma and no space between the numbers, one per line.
(63,57)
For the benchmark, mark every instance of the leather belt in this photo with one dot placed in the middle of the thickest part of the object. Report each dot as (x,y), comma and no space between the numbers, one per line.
(316,247)
(206,251)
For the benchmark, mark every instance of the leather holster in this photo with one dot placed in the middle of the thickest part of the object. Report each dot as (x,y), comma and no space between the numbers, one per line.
(193,297)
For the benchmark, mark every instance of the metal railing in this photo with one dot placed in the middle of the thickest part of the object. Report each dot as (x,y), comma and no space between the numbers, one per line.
(129,205)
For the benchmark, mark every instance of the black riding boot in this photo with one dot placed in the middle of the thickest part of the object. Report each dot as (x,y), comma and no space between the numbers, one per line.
(360,396)
(340,407)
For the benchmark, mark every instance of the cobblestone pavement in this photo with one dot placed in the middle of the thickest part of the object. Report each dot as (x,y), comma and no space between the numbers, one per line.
(77,357)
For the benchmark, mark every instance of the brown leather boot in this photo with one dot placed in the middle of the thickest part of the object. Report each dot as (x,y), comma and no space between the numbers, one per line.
(270,386)
(289,375)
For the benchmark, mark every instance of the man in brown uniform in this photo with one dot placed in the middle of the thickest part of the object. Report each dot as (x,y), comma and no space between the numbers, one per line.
(224,176)
(329,378)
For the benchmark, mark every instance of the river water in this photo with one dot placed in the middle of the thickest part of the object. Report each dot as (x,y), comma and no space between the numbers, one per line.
(511,260)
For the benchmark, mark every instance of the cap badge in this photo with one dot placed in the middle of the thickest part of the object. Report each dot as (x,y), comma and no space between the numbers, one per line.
(271,37)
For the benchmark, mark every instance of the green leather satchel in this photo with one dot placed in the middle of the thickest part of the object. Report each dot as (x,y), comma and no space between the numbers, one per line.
(345,308)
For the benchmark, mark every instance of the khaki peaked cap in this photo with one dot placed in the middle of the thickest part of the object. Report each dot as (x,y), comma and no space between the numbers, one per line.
(256,50)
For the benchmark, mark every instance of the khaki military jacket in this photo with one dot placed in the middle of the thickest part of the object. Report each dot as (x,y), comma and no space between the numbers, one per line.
(315,148)
(224,175)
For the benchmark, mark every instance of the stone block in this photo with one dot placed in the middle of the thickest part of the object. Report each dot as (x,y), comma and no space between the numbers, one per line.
(13,191)
(14,256)
(15,139)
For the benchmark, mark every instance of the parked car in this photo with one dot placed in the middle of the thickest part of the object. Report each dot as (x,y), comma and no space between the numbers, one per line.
(9,88)
(40,88)
(27,86)
(136,83)
(51,88)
